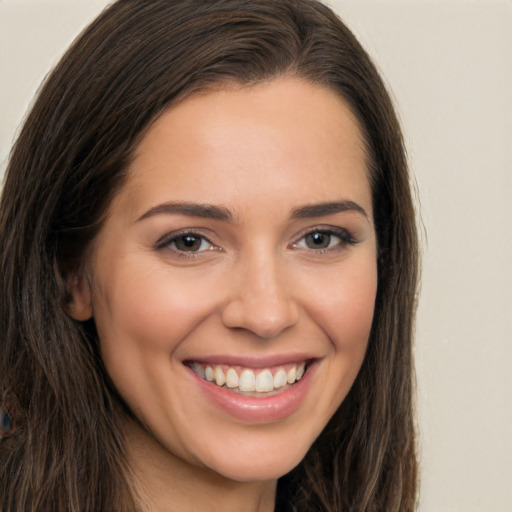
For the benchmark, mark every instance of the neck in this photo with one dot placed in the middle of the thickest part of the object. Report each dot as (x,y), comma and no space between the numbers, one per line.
(164,482)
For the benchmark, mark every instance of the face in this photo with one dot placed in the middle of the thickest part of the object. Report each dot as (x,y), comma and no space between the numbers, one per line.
(233,282)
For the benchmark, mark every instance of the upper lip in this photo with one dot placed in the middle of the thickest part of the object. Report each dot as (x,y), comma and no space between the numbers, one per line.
(252,361)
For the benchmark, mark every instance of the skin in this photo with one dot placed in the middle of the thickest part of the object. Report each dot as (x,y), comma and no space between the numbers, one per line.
(257,287)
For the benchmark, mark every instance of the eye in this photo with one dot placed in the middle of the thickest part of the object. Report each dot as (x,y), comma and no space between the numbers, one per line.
(185,242)
(318,240)
(189,243)
(325,239)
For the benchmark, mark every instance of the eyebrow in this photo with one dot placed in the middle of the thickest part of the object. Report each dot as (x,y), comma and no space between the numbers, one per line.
(209,211)
(329,208)
(206,211)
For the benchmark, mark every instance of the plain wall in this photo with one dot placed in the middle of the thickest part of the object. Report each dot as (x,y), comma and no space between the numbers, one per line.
(448,65)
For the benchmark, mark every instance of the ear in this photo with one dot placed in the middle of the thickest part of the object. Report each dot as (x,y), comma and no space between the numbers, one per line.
(79,290)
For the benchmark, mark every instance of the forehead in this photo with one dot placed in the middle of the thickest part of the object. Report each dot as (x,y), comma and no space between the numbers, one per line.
(280,138)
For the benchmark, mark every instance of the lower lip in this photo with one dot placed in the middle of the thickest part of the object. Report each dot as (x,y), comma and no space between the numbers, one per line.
(265,409)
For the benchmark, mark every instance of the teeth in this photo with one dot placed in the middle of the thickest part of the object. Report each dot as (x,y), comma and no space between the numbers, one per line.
(208,372)
(280,379)
(301,369)
(199,370)
(265,381)
(231,378)
(247,381)
(292,375)
(220,378)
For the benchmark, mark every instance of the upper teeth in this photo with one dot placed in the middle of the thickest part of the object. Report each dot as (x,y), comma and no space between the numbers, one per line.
(246,380)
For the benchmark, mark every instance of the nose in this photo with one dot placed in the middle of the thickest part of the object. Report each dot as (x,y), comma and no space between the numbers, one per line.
(260,299)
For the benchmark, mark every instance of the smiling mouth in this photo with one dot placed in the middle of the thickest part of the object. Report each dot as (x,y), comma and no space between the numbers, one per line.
(250,382)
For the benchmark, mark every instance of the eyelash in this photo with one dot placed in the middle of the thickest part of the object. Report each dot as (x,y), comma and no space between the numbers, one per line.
(345,239)
(344,236)
(171,238)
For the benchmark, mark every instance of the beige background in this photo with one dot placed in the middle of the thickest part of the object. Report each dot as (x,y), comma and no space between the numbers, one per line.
(448,64)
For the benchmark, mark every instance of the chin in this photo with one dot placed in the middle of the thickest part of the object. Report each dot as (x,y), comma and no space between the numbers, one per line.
(258,456)
(264,469)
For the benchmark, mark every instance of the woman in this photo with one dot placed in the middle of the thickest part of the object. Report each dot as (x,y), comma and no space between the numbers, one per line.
(208,270)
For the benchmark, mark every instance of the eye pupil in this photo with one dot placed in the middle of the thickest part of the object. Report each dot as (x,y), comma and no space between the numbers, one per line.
(318,240)
(189,243)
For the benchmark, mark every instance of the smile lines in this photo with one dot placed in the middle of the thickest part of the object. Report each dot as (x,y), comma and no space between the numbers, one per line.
(245,380)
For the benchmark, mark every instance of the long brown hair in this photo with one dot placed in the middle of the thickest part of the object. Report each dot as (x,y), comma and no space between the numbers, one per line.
(133,62)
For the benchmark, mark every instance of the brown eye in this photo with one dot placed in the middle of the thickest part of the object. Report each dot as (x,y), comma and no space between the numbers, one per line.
(188,243)
(318,240)
(185,243)
(330,238)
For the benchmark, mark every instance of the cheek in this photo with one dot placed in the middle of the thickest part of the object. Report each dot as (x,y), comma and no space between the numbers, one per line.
(346,315)
(345,309)
(151,309)
(143,317)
